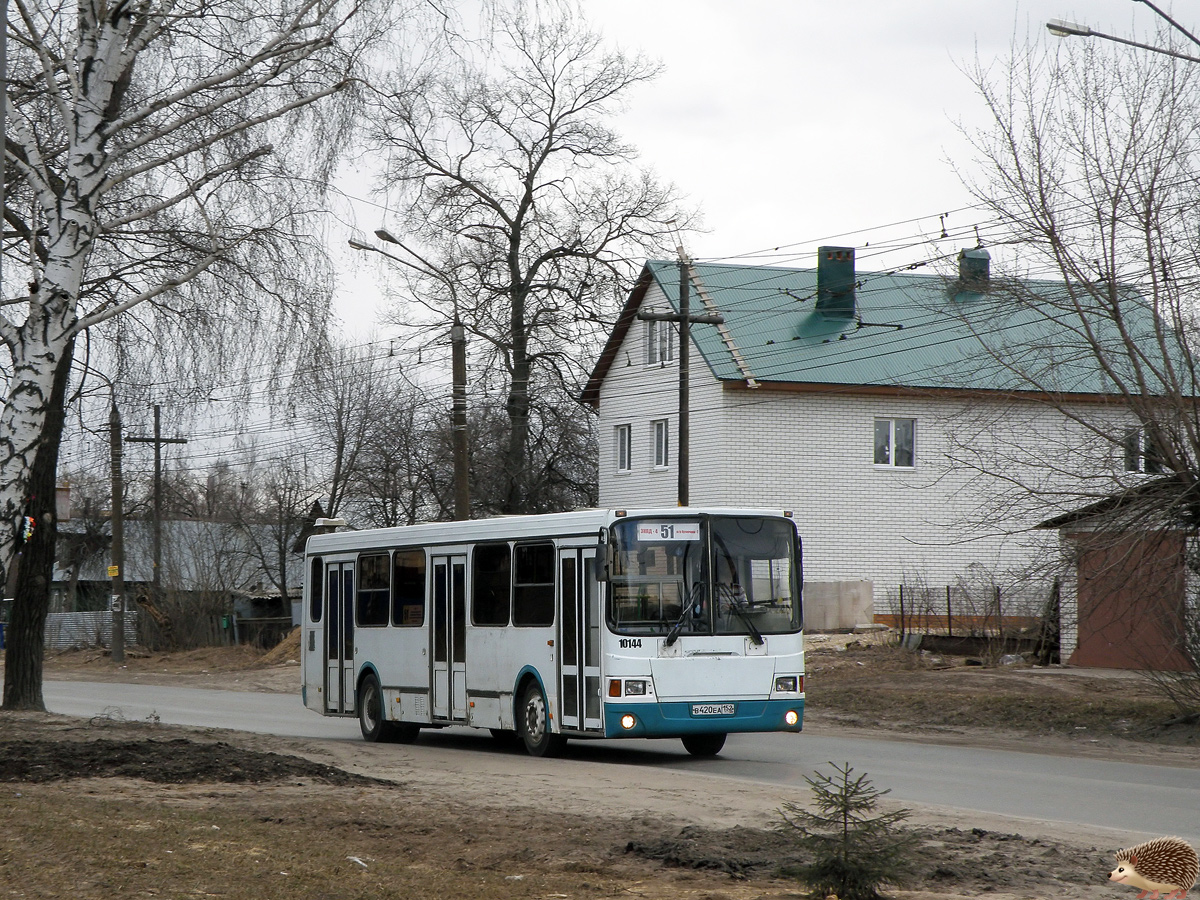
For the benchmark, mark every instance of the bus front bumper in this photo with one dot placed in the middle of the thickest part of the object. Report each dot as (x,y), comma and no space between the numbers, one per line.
(676,719)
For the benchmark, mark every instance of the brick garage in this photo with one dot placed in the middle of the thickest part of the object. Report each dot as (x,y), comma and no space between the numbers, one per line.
(1128,597)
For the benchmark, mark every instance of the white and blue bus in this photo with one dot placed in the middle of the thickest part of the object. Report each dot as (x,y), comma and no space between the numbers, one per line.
(654,623)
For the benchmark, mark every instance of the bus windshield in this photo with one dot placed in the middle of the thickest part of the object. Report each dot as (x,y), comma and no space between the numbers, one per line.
(704,575)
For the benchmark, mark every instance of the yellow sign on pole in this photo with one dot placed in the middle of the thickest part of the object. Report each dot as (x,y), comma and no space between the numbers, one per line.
(114,571)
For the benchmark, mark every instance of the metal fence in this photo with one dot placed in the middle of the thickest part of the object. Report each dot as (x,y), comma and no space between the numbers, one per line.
(954,610)
(990,622)
(87,629)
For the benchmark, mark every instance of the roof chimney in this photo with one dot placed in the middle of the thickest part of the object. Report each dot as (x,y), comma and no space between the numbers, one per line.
(835,281)
(974,269)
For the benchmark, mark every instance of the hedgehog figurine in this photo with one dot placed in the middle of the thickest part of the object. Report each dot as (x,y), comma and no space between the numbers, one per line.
(1163,864)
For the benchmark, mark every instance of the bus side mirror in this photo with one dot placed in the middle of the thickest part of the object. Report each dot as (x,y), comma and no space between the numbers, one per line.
(607,554)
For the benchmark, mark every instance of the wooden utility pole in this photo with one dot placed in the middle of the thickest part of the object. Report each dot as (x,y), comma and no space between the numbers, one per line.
(462,467)
(158,440)
(685,319)
(3,118)
(117,521)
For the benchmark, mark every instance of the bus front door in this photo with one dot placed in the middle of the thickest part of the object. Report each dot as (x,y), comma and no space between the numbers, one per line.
(339,638)
(449,638)
(579,640)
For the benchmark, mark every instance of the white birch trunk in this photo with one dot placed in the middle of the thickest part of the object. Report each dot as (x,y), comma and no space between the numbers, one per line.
(69,211)
(22,421)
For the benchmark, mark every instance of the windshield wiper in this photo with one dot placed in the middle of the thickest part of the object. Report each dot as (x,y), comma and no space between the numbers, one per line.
(736,606)
(673,634)
(734,603)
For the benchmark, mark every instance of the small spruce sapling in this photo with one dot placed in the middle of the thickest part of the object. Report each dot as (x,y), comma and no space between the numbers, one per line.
(854,850)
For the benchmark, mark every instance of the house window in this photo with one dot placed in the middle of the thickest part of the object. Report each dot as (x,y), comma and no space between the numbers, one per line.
(662,444)
(623,440)
(1140,453)
(660,342)
(895,443)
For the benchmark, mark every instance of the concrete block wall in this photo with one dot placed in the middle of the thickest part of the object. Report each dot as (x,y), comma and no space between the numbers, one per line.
(837,605)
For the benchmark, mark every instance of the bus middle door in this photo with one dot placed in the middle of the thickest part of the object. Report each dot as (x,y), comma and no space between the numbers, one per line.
(449,638)
(339,638)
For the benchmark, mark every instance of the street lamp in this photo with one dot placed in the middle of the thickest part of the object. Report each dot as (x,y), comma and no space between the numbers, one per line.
(458,374)
(1062,28)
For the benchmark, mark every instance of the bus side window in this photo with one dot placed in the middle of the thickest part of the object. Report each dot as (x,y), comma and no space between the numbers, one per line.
(332,627)
(373,589)
(408,587)
(316,593)
(533,585)
(491,584)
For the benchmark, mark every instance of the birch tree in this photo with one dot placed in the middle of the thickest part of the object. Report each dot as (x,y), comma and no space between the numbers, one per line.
(146,144)
(524,208)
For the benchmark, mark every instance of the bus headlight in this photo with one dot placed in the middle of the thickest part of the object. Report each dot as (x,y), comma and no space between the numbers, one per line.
(786,684)
(628,721)
(791,717)
(635,688)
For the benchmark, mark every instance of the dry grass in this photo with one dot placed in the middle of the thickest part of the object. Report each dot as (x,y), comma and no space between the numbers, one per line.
(885,686)
(244,848)
(312,843)
(286,651)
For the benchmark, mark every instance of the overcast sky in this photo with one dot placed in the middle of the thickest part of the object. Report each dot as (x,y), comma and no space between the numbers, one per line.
(788,123)
(793,123)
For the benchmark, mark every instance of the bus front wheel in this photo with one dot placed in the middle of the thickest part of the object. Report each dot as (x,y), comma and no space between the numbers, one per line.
(704,744)
(533,724)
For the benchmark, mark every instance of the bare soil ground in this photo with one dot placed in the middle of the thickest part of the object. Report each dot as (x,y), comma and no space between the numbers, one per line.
(107,808)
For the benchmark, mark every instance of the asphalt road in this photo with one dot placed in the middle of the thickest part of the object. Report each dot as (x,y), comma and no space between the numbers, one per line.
(1130,797)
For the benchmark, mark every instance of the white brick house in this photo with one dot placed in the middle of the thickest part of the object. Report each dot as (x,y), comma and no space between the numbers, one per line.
(893,413)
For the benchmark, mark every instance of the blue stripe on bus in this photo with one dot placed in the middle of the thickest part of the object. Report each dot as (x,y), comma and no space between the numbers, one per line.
(676,719)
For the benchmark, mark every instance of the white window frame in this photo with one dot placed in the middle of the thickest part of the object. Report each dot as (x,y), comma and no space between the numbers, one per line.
(1136,451)
(661,431)
(623,448)
(887,458)
(660,342)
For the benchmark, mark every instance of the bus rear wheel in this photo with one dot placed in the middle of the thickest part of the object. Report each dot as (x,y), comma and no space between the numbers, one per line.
(370,716)
(370,710)
(533,724)
(704,744)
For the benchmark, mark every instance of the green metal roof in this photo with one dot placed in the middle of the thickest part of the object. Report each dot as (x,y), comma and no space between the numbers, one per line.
(908,330)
